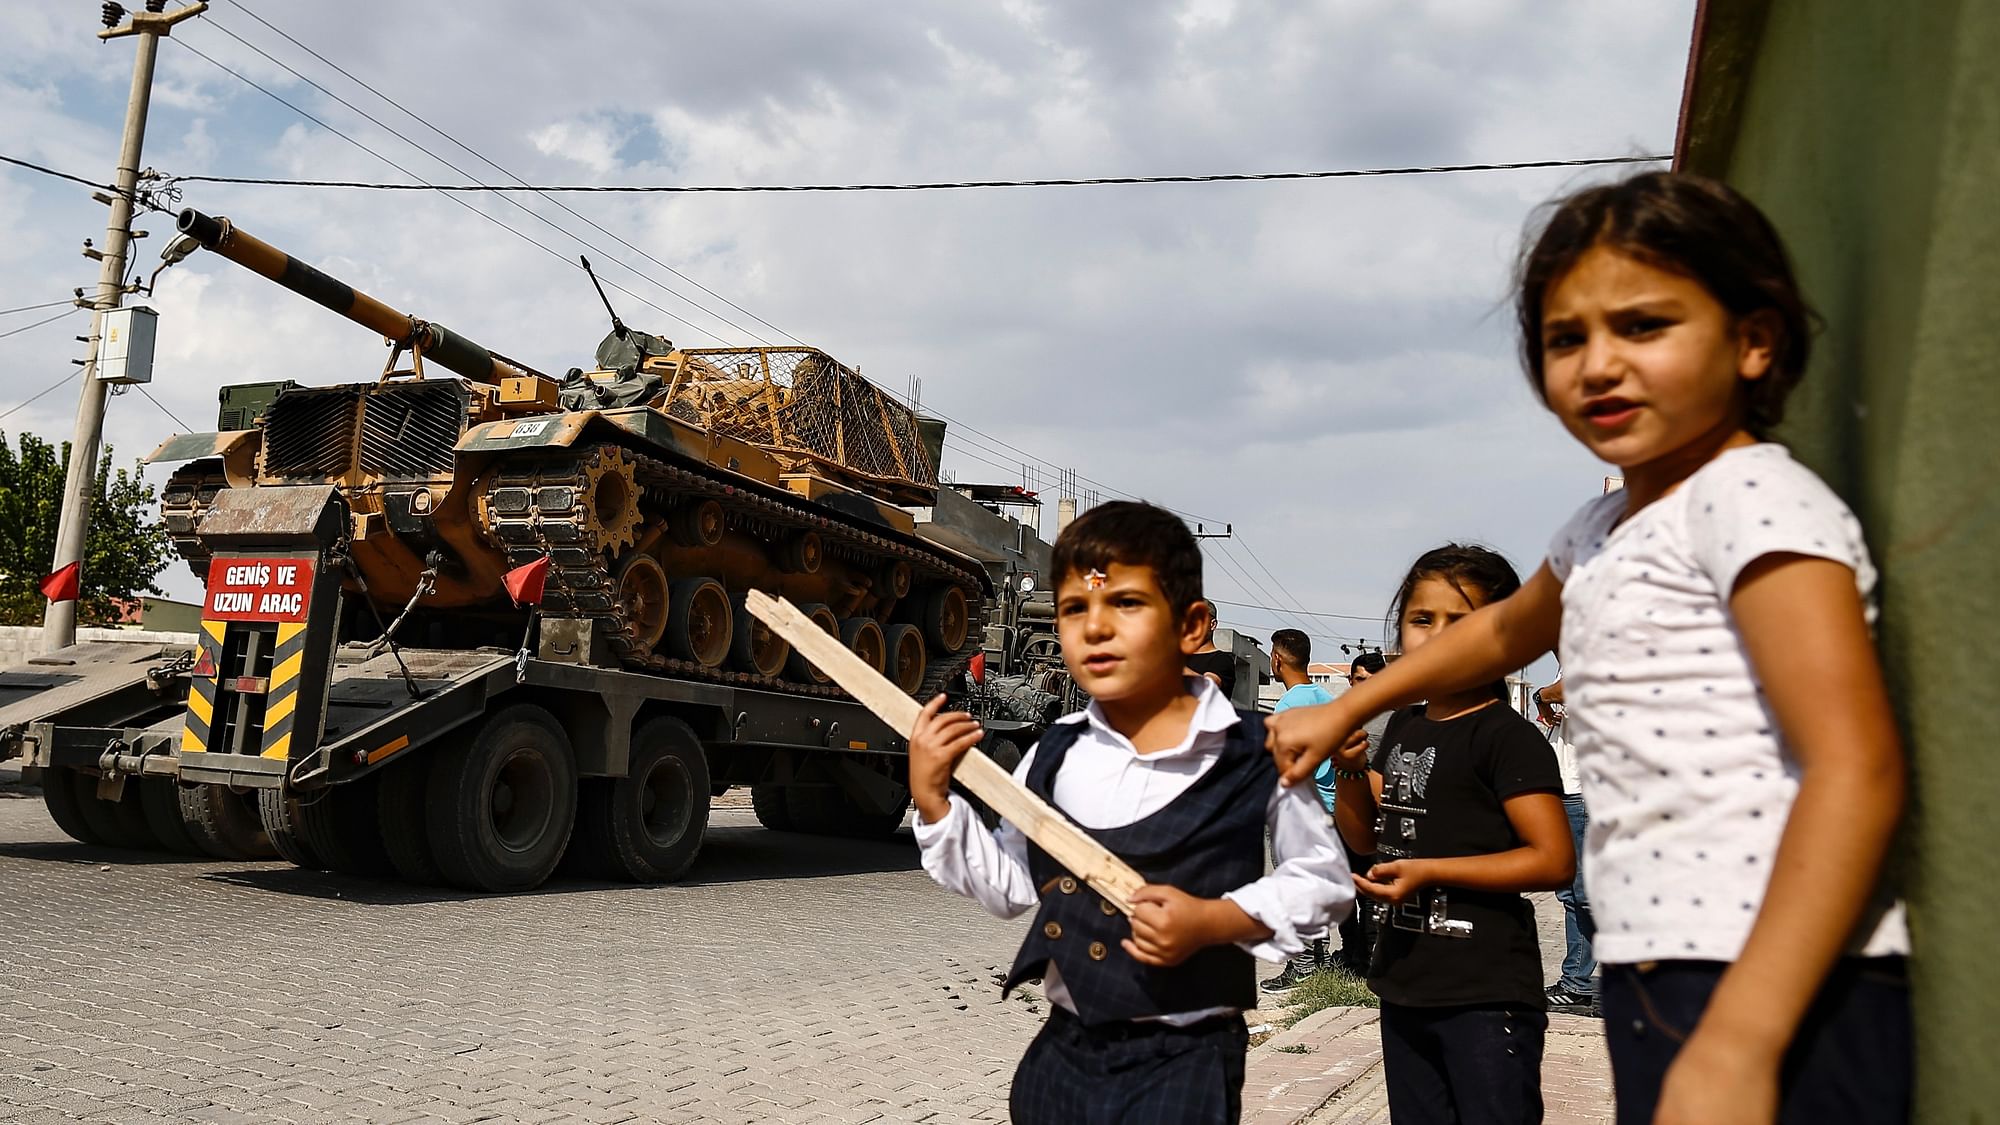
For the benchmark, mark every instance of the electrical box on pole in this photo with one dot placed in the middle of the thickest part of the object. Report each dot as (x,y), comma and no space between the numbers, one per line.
(125,355)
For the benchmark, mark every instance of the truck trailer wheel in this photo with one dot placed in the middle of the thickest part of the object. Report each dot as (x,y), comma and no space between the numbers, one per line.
(772,809)
(342,826)
(827,810)
(399,811)
(120,823)
(65,801)
(224,823)
(647,826)
(280,813)
(502,804)
(162,806)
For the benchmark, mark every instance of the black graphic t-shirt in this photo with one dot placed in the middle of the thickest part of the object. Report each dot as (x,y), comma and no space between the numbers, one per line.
(1442,788)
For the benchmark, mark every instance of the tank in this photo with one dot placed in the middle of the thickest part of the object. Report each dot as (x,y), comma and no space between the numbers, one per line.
(660,483)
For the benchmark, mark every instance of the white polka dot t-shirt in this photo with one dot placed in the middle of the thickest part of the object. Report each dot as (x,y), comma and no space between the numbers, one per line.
(1686,777)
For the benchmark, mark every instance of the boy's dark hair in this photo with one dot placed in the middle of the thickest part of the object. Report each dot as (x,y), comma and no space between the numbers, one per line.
(1699,228)
(1369,662)
(1292,647)
(1481,575)
(1137,534)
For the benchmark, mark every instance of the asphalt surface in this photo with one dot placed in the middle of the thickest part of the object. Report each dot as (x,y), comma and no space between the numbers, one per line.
(789,978)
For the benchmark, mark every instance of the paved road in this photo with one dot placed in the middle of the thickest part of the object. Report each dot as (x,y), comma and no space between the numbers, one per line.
(789,979)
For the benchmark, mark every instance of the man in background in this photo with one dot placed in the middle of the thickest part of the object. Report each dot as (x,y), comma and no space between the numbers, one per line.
(1576,991)
(1291,655)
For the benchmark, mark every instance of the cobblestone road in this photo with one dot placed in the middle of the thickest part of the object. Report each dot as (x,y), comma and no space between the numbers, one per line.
(789,979)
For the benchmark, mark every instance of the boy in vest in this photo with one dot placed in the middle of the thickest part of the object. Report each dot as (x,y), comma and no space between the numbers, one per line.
(1147,1020)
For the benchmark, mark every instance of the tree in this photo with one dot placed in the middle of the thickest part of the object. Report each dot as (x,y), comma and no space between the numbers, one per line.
(127,547)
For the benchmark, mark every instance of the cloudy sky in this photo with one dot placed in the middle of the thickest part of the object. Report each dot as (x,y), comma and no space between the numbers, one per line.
(1325,364)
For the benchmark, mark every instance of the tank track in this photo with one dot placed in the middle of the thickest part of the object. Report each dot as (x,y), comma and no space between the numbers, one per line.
(184,499)
(536,508)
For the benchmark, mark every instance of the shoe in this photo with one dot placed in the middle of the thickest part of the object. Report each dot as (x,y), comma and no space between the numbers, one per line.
(1572,1003)
(1296,970)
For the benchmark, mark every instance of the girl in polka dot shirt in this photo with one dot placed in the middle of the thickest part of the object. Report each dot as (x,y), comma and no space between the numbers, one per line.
(1740,762)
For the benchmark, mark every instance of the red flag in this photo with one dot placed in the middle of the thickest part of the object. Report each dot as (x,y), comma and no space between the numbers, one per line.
(978,667)
(524,583)
(62,586)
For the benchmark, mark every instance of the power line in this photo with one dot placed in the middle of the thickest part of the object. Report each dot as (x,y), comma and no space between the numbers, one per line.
(489,162)
(941,185)
(37,324)
(25,403)
(185,428)
(531,240)
(138,198)
(43,305)
(1302,612)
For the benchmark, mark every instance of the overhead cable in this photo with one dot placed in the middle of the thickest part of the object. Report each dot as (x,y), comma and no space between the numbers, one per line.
(942,185)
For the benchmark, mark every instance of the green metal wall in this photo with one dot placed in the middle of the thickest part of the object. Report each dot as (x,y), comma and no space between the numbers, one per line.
(1871,134)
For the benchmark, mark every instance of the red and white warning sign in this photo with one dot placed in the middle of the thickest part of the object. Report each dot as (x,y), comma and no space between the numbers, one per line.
(258,589)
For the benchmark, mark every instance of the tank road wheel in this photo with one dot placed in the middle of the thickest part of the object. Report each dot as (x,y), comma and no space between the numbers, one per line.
(224,823)
(895,580)
(699,620)
(802,553)
(343,826)
(907,660)
(280,812)
(697,524)
(612,498)
(753,647)
(642,596)
(864,636)
(947,619)
(648,825)
(162,806)
(65,801)
(120,823)
(502,804)
(399,816)
(773,811)
(798,667)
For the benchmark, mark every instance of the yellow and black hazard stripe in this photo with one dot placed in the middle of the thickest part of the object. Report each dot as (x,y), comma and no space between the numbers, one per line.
(282,700)
(201,689)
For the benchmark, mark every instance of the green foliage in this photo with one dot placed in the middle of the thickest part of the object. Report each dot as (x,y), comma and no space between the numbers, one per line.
(1331,987)
(126,549)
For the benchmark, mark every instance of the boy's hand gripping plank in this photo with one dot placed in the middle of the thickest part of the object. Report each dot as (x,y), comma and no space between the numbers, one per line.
(1055,834)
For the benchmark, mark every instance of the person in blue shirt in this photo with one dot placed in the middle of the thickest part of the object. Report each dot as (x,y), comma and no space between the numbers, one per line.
(1291,656)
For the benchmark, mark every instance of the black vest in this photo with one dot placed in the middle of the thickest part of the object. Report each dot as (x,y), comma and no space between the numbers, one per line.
(1207,841)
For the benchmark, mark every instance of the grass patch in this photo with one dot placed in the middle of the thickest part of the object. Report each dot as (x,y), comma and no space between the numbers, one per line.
(1331,987)
(1294,1049)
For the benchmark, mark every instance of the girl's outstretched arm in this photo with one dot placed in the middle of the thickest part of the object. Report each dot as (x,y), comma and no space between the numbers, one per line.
(1803,629)
(1483,647)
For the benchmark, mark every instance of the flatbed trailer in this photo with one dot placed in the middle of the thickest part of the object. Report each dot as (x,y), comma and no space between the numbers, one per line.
(478,767)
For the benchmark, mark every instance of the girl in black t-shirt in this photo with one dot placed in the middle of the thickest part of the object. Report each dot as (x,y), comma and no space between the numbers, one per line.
(1461,805)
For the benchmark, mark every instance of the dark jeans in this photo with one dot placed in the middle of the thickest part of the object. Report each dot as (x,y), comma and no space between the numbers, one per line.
(1850,1062)
(1579,929)
(1463,1066)
(1357,934)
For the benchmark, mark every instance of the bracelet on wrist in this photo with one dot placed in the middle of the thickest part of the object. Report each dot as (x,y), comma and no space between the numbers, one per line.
(1349,775)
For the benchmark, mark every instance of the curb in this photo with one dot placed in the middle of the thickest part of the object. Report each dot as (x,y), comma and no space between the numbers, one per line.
(1282,1087)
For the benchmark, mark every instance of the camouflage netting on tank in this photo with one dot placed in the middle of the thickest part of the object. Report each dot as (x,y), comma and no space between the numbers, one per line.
(802,402)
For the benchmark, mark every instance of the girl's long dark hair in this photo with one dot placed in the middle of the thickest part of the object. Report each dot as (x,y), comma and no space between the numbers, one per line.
(1481,575)
(1698,228)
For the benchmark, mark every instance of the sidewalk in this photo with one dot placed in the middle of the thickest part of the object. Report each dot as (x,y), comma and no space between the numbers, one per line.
(1328,1069)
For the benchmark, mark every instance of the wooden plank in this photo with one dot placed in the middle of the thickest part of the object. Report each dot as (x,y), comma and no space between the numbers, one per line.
(1038,821)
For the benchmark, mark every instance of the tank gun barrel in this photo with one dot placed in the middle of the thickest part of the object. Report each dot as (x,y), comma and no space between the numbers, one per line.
(438,344)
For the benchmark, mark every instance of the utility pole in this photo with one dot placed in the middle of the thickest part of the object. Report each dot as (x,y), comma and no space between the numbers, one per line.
(59,624)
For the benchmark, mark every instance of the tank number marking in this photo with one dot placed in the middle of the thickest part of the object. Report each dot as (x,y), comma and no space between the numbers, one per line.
(530,429)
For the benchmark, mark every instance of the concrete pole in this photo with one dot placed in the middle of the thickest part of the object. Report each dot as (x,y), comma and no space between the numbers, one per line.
(59,623)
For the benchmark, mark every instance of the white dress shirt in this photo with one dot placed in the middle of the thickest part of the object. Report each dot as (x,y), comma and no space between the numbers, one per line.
(1105,782)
